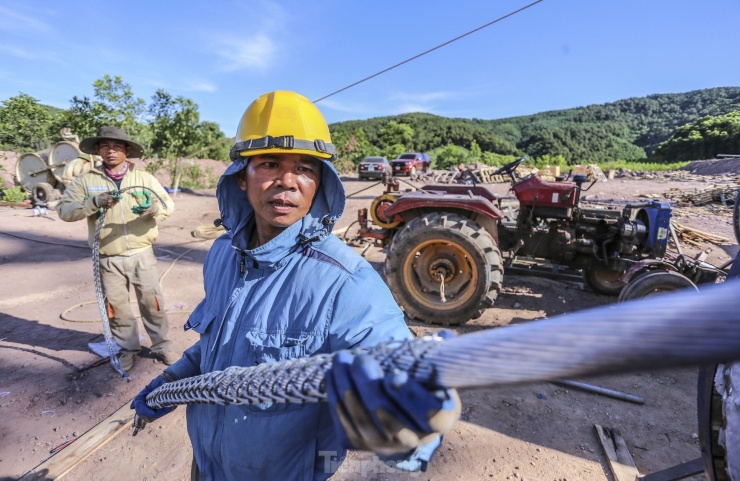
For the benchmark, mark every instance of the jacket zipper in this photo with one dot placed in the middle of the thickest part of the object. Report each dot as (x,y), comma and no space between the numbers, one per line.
(123,219)
(226,312)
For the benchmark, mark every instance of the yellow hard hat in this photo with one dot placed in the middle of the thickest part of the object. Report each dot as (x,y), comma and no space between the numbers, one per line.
(283,122)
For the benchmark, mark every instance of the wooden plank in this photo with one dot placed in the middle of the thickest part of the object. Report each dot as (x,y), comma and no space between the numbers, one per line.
(56,466)
(681,471)
(620,460)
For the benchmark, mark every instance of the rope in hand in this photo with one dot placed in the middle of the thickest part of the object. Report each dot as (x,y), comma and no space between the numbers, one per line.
(100,296)
(677,329)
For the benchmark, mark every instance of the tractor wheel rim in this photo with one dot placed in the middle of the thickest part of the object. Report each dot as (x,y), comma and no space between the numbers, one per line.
(608,277)
(431,259)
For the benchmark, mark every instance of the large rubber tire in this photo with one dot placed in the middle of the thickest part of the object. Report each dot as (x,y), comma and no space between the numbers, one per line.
(711,419)
(736,216)
(42,192)
(604,280)
(452,245)
(657,282)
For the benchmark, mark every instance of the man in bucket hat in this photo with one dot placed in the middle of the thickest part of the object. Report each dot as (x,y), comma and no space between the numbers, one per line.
(126,238)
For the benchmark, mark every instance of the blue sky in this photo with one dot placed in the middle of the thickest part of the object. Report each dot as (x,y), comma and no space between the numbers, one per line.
(557,54)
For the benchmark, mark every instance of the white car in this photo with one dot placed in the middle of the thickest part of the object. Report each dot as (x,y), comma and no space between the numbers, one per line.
(373,167)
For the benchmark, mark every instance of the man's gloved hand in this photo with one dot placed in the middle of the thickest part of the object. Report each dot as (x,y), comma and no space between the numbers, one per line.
(106,200)
(145,204)
(151,210)
(139,402)
(386,413)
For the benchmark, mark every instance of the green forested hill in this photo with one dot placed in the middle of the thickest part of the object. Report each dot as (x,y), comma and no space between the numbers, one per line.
(629,129)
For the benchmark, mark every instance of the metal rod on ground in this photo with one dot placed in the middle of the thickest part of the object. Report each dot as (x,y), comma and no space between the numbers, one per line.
(363,190)
(600,390)
(675,240)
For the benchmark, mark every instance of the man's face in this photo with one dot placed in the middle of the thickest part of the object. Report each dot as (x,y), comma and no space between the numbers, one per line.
(113,152)
(281,189)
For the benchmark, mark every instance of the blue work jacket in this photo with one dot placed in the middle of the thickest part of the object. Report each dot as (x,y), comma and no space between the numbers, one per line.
(305,292)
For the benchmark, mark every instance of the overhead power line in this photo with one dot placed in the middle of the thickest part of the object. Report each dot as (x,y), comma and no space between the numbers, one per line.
(397,65)
(430,50)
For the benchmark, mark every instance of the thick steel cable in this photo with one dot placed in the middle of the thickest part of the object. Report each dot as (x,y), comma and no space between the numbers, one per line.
(681,328)
(99,295)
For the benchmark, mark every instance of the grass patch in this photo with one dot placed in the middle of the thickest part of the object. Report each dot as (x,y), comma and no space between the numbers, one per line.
(649,166)
(15,194)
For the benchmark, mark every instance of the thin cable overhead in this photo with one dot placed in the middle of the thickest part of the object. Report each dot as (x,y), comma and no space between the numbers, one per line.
(394,66)
(430,50)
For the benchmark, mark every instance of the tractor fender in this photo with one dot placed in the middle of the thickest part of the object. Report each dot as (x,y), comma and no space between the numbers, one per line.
(475,204)
(478,208)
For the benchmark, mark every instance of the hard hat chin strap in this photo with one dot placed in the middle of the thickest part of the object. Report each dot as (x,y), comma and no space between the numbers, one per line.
(283,142)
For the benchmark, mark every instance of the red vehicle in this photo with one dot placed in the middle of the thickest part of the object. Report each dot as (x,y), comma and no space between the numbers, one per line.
(445,242)
(411,164)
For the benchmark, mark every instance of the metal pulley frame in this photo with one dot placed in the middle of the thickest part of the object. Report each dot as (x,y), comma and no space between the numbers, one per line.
(64,164)
(32,169)
(377,211)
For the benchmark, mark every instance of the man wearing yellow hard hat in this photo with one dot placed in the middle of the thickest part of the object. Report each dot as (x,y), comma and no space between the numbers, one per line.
(279,285)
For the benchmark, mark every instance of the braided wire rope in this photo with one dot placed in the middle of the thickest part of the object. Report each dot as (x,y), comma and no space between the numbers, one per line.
(99,295)
(294,381)
(676,329)
(100,298)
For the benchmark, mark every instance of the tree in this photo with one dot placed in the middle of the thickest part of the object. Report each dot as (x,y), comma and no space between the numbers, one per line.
(24,124)
(216,145)
(351,147)
(393,151)
(449,156)
(498,160)
(175,126)
(113,103)
(173,130)
(703,139)
(396,133)
(476,154)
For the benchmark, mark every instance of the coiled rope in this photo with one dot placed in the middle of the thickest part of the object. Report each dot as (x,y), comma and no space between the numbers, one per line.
(675,329)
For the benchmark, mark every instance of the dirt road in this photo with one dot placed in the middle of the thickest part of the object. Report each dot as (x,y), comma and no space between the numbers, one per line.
(539,432)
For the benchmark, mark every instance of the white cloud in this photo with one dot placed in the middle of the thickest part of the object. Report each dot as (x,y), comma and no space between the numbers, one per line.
(398,103)
(199,86)
(412,107)
(340,107)
(418,102)
(423,98)
(18,52)
(254,51)
(13,21)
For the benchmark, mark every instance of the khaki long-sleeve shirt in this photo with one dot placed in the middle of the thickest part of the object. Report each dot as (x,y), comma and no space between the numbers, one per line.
(124,233)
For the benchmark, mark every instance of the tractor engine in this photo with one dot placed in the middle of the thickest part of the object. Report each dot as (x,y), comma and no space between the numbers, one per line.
(552,225)
(609,235)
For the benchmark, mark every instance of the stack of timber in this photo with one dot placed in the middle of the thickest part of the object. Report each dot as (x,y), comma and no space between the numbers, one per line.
(719,193)
(695,236)
(485,174)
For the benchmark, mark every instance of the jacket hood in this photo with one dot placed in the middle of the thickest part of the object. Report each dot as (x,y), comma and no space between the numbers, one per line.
(237,213)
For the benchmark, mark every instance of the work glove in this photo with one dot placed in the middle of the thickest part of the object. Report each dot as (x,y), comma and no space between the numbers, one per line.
(139,402)
(106,200)
(145,205)
(389,414)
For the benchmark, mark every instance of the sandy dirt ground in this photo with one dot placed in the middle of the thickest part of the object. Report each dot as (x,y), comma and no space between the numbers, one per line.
(537,432)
